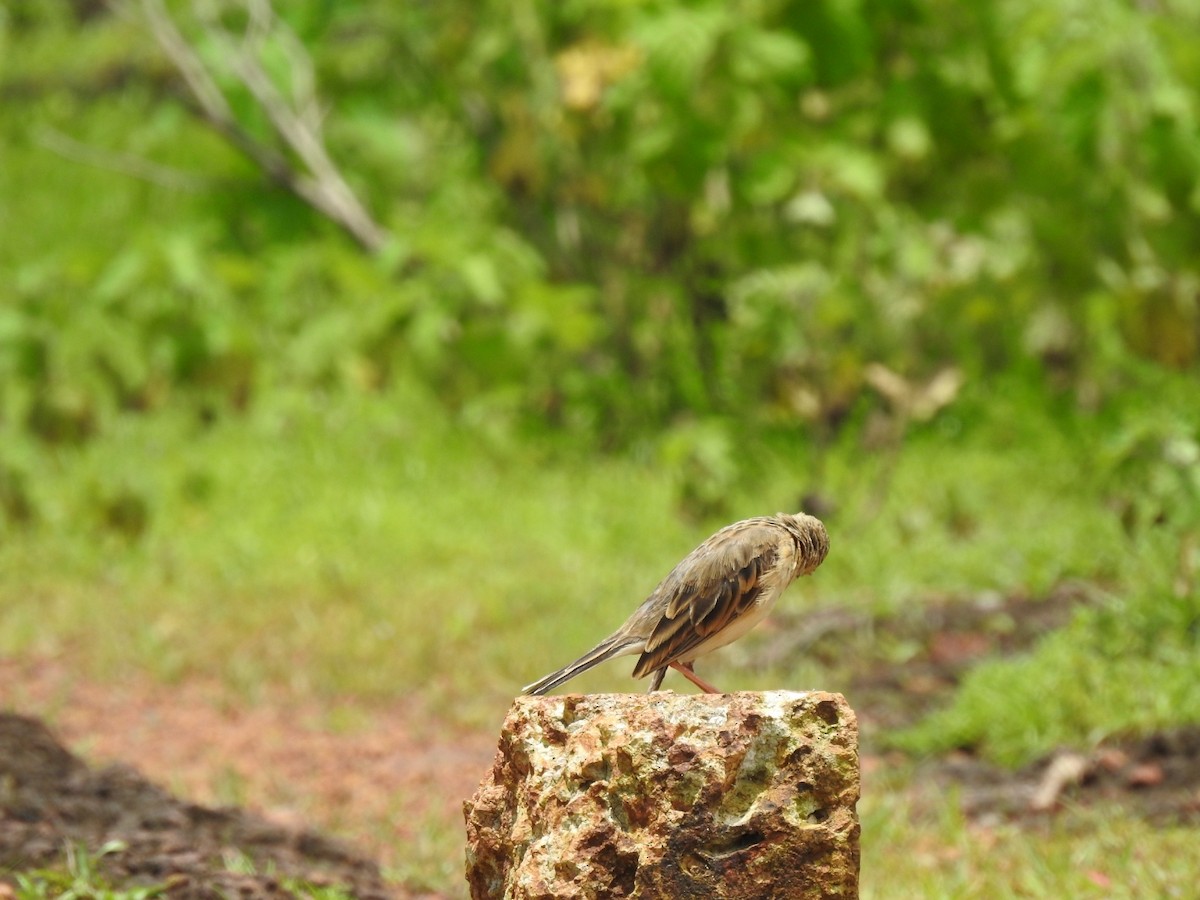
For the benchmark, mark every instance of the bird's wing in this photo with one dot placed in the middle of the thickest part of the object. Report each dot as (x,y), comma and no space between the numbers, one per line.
(714,585)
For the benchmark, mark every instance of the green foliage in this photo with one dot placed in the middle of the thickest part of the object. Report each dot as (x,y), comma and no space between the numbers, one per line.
(1131,664)
(311,544)
(1153,464)
(1128,668)
(925,847)
(238,862)
(736,241)
(613,219)
(769,198)
(79,879)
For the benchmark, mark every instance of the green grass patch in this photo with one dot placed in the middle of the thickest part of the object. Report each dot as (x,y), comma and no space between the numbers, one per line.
(79,878)
(923,847)
(1124,668)
(362,544)
(1128,517)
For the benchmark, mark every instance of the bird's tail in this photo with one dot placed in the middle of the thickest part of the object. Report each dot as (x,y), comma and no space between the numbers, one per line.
(617,645)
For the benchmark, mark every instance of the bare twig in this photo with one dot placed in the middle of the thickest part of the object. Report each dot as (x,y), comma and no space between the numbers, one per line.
(125,163)
(1065,770)
(296,122)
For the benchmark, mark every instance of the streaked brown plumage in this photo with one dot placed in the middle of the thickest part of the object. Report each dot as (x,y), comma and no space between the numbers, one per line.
(716,594)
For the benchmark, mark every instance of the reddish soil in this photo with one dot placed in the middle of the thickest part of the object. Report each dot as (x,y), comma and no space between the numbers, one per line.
(380,782)
(388,776)
(53,800)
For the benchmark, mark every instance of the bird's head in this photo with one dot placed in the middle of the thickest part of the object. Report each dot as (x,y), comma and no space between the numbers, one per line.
(812,540)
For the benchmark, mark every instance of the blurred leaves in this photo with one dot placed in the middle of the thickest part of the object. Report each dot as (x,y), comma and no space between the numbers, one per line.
(1154,473)
(611,219)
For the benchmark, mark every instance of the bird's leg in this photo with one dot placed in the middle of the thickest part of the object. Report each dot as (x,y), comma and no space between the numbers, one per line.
(656,681)
(685,669)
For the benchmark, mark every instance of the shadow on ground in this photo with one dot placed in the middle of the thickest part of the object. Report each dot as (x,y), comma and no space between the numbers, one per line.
(50,800)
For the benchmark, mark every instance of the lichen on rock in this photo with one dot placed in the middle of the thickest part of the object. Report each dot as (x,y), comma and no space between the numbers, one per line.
(669,795)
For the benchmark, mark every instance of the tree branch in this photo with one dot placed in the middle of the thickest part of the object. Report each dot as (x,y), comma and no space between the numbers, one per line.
(296,122)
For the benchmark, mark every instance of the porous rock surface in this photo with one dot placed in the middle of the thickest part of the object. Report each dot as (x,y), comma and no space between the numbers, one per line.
(746,795)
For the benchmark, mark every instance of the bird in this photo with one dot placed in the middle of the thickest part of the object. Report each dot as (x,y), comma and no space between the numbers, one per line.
(716,594)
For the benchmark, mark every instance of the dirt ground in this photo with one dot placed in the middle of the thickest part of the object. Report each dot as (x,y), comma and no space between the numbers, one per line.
(52,800)
(380,778)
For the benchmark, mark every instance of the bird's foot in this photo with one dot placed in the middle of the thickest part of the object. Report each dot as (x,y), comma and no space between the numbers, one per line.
(685,669)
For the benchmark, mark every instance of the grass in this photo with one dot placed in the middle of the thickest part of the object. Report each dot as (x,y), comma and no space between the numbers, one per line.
(358,546)
(348,548)
(364,546)
(916,844)
(355,547)
(1081,685)
(79,878)
(361,545)
(433,860)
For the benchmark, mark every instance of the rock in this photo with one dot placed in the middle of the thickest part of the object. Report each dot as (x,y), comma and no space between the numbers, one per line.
(747,795)
(1147,774)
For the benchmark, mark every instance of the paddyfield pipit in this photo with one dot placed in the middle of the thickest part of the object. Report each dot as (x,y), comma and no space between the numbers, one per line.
(717,593)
